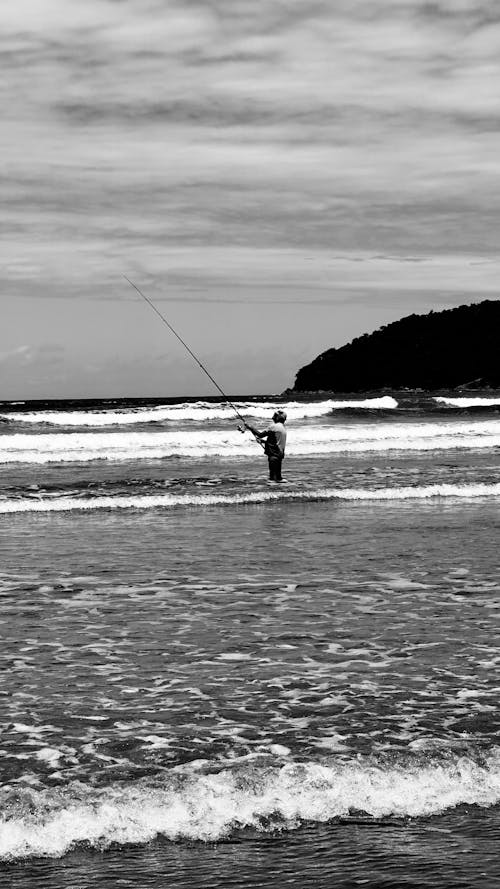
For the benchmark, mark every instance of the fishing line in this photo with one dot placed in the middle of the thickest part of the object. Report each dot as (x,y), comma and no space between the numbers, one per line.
(198,362)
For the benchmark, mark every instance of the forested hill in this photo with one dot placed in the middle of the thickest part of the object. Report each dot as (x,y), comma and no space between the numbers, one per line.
(454,348)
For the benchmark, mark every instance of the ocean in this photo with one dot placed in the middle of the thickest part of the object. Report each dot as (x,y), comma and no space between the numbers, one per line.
(209,680)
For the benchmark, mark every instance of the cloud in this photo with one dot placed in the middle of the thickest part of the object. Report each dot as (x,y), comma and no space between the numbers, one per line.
(44,355)
(210,146)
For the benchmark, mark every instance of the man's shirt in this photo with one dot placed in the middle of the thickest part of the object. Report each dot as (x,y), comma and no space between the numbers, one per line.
(276,440)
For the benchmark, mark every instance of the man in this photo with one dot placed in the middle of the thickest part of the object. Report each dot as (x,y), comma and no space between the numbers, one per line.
(275,443)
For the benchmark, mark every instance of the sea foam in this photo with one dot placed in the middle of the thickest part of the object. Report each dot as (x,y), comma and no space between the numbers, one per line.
(169,501)
(204,806)
(59,447)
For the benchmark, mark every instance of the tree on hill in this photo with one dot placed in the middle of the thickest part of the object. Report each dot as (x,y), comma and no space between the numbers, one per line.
(449,349)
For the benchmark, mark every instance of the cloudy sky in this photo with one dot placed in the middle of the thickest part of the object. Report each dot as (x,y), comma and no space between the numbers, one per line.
(278,175)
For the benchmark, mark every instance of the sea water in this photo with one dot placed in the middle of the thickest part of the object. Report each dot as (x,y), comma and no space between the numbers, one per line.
(209,681)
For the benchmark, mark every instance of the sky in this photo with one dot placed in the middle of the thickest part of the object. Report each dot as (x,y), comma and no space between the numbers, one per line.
(279,176)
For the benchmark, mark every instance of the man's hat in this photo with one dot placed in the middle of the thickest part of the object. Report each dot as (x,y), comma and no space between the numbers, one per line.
(280,415)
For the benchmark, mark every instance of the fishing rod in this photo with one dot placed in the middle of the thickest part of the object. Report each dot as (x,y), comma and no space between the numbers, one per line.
(198,362)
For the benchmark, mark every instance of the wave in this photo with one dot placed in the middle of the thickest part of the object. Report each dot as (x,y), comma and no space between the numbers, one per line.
(191,443)
(168,501)
(467,402)
(187,804)
(200,411)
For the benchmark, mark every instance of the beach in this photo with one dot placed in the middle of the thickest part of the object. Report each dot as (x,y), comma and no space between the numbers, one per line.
(210,680)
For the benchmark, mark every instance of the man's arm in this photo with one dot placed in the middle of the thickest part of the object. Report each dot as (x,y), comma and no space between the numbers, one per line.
(256,432)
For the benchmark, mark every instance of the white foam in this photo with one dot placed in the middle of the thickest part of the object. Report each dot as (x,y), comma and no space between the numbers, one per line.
(200,411)
(467,402)
(340,437)
(168,501)
(209,806)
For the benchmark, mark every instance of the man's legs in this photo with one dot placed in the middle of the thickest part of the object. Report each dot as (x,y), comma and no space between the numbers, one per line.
(275,469)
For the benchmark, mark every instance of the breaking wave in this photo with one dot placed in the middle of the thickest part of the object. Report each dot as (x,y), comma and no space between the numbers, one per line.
(467,402)
(190,804)
(168,501)
(201,411)
(200,443)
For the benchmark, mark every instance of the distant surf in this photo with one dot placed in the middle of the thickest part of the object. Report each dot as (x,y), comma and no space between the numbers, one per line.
(200,411)
(467,402)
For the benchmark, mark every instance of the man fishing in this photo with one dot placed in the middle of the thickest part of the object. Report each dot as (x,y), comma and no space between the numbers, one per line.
(275,443)
(276,434)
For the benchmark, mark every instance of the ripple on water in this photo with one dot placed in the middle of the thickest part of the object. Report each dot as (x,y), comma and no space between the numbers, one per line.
(153,672)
